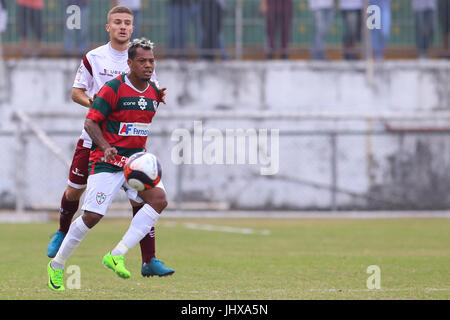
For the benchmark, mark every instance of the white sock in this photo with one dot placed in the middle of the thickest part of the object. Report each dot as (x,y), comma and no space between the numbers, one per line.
(77,231)
(140,225)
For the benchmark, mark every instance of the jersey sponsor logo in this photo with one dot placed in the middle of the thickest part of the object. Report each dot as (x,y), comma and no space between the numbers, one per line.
(134,129)
(111,73)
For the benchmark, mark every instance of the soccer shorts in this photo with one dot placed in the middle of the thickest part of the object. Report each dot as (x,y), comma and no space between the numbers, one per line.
(102,188)
(79,169)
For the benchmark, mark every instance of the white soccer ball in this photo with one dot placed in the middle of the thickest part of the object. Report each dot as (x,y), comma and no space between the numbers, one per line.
(142,171)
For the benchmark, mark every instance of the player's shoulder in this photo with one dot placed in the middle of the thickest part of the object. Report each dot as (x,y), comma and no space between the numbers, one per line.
(98,52)
(154,86)
(115,83)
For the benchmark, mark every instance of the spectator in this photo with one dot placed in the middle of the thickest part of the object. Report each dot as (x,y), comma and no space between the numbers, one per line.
(351,11)
(278,19)
(211,12)
(3,21)
(424,18)
(444,19)
(380,37)
(29,20)
(135,6)
(3,24)
(196,21)
(179,12)
(76,41)
(323,11)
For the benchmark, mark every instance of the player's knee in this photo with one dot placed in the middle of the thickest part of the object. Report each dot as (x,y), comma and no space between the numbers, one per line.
(90,219)
(73,194)
(159,204)
(156,198)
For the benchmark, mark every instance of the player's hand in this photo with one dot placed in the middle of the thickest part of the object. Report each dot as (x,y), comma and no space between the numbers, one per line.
(91,100)
(162,95)
(110,154)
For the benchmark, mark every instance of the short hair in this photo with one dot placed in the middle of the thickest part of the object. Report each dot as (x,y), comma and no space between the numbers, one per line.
(143,43)
(119,9)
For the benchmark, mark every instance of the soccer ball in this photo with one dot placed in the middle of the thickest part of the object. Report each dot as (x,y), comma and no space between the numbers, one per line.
(142,171)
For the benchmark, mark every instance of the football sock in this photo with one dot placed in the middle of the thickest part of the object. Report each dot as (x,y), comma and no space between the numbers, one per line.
(147,244)
(66,213)
(77,231)
(140,226)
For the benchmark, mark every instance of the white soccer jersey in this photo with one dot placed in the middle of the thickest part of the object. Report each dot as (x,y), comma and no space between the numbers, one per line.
(97,67)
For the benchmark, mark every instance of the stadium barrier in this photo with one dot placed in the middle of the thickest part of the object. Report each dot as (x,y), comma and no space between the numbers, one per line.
(243,29)
(330,185)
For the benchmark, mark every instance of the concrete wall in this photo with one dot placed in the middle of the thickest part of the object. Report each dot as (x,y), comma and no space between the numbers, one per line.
(317,169)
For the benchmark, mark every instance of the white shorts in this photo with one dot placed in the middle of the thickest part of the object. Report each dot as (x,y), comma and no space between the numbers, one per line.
(103,187)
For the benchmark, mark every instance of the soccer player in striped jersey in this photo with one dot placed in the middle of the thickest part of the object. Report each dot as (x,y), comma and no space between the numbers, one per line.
(130,100)
(97,67)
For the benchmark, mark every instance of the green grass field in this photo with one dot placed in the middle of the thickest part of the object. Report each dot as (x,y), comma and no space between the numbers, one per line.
(281,259)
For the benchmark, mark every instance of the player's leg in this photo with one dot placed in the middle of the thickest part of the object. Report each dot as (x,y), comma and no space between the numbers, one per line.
(78,176)
(151,266)
(140,226)
(77,232)
(101,190)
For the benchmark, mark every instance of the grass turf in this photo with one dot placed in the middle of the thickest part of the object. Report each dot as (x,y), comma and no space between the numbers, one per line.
(298,259)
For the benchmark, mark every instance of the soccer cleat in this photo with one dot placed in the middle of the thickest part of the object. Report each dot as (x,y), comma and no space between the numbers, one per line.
(55,243)
(55,278)
(155,268)
(117,264)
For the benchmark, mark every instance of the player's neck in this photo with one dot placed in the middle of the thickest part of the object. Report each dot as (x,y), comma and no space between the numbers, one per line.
(137,82)
(119,46)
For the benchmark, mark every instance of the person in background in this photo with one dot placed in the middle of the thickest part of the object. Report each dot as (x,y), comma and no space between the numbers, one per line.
(323,11)
(424,20)
(76,41)
(380,37)
(135,6)
(351,11)
(3,24)
(178,12)
(278,15)
(29,17)
(444,20)
(211,12)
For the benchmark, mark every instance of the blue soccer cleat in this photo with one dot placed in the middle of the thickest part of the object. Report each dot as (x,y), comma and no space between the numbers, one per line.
(155,268)
(55,243)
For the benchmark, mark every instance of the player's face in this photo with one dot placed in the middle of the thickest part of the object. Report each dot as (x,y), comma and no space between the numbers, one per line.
(143,64)
(120,27)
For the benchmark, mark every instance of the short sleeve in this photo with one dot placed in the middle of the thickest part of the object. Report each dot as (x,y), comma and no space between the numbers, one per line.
(83,78)
(103,104)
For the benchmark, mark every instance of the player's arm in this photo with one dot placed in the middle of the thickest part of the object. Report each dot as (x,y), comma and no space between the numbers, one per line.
(93,129)
(79,96)
(101,108)
(161,91)
(83,83)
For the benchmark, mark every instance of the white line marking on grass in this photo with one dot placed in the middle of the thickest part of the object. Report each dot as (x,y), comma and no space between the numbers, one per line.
(211,227)
(375,290)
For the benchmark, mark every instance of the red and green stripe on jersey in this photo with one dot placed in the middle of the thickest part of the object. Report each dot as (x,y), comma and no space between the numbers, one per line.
(124,116)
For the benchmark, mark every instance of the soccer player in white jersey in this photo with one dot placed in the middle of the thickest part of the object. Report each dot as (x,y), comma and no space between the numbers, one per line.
(97,67)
